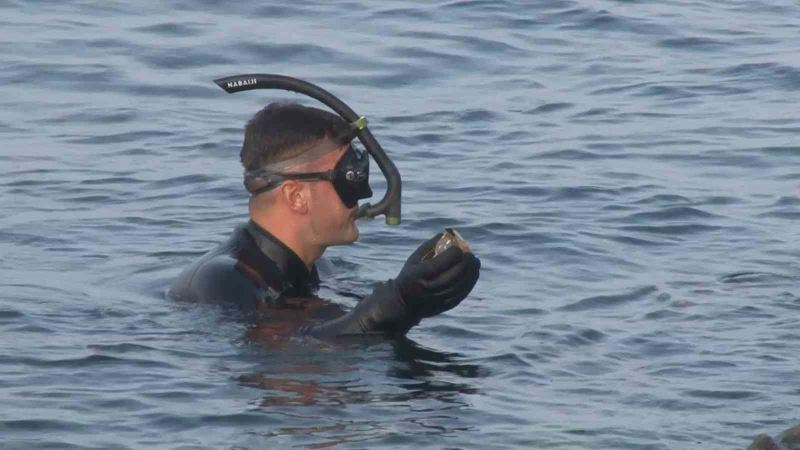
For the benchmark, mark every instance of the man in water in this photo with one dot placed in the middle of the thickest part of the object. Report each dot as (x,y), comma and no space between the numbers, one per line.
(305,179)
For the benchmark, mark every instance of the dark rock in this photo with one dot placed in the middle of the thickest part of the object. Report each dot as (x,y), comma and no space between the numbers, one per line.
(764,442)
(791,438)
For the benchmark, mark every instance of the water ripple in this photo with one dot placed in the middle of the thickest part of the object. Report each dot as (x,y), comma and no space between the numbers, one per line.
(88,361)
(722,395)
(604,301)
(176,29)
(694,43)
(627,171)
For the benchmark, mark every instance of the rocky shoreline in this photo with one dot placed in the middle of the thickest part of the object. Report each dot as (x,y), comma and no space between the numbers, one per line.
(788,440)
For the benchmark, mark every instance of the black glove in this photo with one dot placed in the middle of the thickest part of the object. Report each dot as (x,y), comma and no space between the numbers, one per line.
(424,288)
(432,286)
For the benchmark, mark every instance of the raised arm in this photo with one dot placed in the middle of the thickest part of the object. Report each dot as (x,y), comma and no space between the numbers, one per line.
(424,288)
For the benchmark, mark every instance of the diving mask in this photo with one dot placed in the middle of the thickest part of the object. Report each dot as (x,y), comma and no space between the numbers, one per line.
(350,177)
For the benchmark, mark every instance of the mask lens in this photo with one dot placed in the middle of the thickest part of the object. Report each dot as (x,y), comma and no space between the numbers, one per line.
(351,176)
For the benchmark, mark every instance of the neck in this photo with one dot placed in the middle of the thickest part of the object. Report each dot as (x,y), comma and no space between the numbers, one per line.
(291,236)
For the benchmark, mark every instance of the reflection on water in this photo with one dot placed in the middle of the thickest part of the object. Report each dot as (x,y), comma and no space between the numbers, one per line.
(421,362)
(300,376)
(294,392)
(275,325)
(627,171)
(340,360)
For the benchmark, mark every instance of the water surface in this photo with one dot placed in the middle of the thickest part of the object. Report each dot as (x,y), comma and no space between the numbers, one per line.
(627,171)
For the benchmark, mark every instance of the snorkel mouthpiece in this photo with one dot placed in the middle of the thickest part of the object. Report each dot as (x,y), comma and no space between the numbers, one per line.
(390,203)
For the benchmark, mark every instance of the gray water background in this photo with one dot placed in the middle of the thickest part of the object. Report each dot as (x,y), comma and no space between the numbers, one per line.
(627,171)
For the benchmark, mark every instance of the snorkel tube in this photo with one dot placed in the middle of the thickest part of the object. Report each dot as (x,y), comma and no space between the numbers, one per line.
(390,203)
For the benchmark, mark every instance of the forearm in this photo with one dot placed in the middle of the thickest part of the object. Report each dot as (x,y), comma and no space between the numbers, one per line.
(382,312)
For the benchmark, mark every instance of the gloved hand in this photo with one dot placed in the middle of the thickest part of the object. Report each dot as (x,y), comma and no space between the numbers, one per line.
(424,288)
(432,286)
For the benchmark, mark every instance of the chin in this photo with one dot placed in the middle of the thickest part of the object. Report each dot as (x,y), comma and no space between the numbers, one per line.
(352,235)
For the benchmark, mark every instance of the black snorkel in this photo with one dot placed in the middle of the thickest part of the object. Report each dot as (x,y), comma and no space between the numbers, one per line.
(390,203)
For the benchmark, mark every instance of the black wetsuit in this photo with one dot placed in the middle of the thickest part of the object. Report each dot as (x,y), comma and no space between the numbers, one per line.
(257,272)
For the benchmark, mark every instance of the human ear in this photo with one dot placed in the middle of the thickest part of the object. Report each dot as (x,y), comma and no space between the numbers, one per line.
(295,196)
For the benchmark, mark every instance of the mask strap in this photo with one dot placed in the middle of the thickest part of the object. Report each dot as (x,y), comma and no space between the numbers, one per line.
(253,178)
(275,179)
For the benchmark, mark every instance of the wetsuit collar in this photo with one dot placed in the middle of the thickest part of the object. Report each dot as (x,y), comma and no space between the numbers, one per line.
(291,266)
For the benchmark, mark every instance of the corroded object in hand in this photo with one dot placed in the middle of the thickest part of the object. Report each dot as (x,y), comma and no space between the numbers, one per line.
(450,238)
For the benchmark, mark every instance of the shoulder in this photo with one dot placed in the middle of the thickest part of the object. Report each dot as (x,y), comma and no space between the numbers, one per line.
(219,277)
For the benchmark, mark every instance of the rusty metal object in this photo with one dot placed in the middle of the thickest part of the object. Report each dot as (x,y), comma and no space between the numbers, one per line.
(450,237)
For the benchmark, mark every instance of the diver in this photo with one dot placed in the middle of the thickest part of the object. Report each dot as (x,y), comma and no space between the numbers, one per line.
(305,174)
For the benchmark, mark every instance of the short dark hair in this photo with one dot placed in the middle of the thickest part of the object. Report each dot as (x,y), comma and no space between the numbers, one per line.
(280,131)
